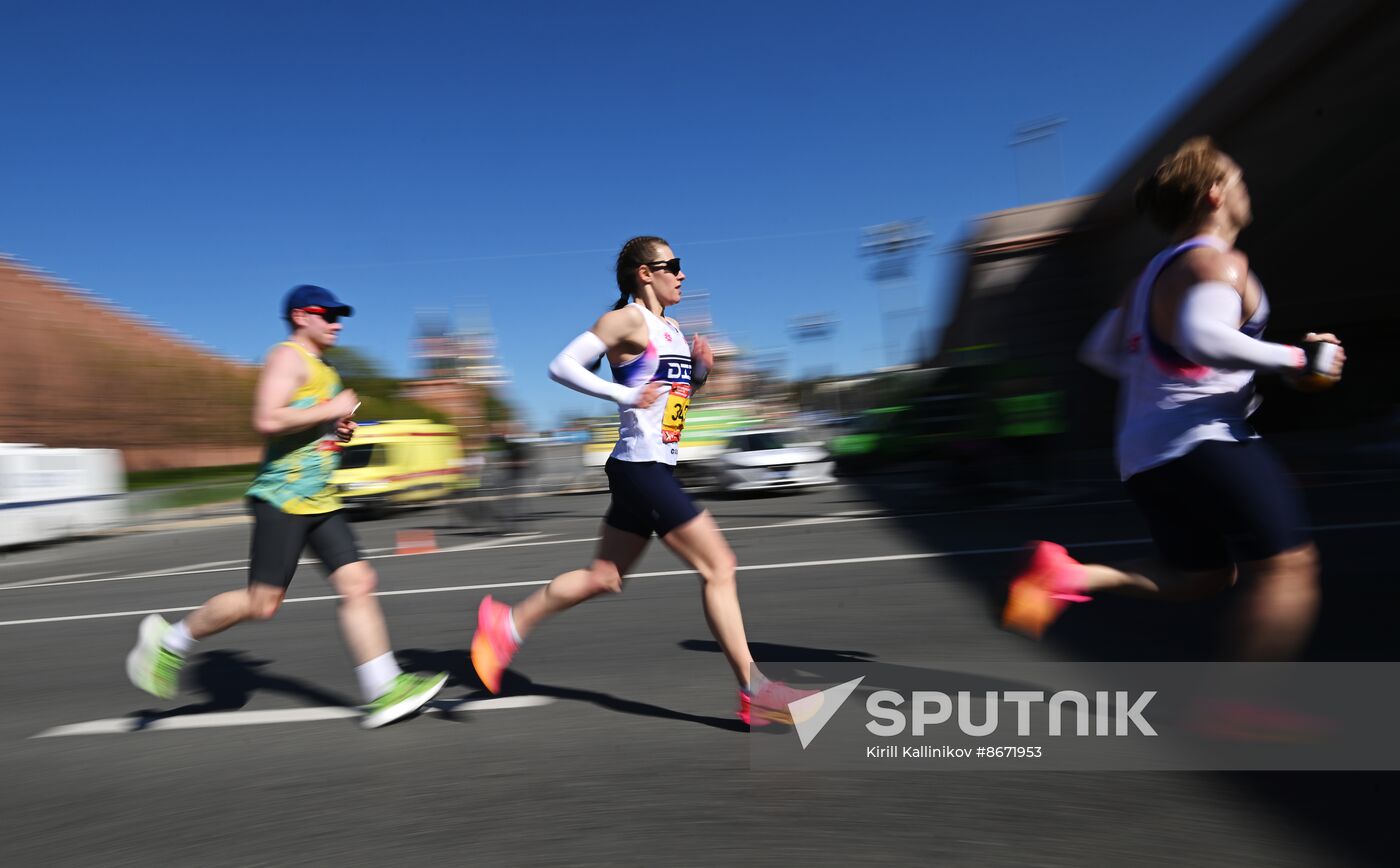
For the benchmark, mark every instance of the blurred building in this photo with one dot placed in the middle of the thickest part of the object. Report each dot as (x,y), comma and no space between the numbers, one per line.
(730,380)
(1307,111)
(76,370)
(457,369)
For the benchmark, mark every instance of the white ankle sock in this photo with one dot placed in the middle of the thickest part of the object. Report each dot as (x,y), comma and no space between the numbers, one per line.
(178,640)
(376,675)
(514,633)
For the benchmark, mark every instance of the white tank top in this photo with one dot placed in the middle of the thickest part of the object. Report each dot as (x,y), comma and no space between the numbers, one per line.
(654,434)
(1168,404)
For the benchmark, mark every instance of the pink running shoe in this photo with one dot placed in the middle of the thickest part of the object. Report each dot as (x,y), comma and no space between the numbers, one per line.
(773,704)
(1050,582)
(492,646)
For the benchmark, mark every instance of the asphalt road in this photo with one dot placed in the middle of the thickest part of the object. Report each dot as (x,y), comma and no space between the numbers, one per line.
(628,752)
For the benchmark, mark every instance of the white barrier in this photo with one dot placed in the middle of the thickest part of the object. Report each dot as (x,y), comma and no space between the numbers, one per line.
(49,494)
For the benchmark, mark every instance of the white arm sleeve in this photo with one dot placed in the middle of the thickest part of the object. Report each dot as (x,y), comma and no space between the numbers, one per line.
(1208,333)
(571,368)
(1102,350)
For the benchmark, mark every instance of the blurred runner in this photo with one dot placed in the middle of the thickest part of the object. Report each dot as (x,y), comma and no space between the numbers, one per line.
(477,507)
(1185,345)
(654,373)
(302,408)
(509,452)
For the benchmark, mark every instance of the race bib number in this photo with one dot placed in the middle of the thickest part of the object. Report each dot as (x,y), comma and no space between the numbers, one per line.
(673,420)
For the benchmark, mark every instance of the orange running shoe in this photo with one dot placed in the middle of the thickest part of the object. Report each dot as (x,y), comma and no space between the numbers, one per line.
(1050,582)
(492,646)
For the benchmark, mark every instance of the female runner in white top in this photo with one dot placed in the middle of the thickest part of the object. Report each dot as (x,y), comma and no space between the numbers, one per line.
(654,373)
(1186,345)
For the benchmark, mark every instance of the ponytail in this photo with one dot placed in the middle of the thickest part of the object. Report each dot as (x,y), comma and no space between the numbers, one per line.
(637,251)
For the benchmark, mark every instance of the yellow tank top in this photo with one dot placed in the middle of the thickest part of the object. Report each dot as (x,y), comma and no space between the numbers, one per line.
(296,471)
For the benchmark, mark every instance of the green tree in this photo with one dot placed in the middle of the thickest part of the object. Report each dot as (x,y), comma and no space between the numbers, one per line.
(379,391)
(362,372)
(496,410)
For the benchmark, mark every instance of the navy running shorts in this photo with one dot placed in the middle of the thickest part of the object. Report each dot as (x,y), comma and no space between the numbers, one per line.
(646,498)
(280,537)
(1221,503)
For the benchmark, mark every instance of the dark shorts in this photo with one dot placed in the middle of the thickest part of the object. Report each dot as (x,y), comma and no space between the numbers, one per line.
(646,498)
(279,538)
(1221,503)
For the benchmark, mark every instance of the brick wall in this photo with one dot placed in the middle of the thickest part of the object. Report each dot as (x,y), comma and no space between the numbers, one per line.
(77,371)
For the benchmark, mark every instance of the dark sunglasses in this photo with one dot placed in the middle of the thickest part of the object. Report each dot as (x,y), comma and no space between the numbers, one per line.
(331,317)
(671,265)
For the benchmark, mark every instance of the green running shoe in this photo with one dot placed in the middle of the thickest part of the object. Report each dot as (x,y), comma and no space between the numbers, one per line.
(405,695)
(151,666)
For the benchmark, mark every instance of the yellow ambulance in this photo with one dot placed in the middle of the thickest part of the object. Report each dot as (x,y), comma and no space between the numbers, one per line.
(399,462)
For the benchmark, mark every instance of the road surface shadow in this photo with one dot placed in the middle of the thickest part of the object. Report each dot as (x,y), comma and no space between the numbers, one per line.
(457,664)
(767,652)
(751,494)
(806,667)
(229,679)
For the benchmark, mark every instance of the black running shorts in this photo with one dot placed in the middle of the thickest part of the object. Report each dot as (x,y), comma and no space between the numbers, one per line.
(280,537)
(1221,503)
(646,498)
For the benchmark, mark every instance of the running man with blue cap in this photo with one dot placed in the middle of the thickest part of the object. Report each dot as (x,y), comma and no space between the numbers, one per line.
(305,412)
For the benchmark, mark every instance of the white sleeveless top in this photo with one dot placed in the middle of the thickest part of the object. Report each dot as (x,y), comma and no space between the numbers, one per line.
(654,434)
(1168,404)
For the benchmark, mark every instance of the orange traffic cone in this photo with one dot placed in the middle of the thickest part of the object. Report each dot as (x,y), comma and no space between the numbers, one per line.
(415,542)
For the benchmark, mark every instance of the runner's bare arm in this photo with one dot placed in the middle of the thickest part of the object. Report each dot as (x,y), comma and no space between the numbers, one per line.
(622,331)
(283,373)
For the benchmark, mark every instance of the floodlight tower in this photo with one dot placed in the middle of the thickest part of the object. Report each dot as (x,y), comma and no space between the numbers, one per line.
(892,247)
(1039,139)
(813,327)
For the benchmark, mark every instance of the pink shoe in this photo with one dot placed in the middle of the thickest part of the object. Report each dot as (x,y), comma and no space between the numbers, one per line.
(1051,581)
(773,704)
(492,646)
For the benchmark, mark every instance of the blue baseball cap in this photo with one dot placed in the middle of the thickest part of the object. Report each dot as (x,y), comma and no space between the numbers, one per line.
(306,295)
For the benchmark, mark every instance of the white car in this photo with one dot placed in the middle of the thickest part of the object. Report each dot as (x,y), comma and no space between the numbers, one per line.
(753,460)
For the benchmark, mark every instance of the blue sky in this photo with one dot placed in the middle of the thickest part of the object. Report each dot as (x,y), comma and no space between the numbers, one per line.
(192,161)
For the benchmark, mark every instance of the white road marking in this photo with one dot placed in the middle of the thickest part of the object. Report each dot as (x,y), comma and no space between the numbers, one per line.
(493,585)
(185,569)
(743,567)
(478,546)
(213,567)
(164,574)
(44,580)
(835,518)
(119,725)
(846,516)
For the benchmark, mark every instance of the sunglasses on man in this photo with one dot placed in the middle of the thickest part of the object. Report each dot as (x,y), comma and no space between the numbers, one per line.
(671,265)
(330,316)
